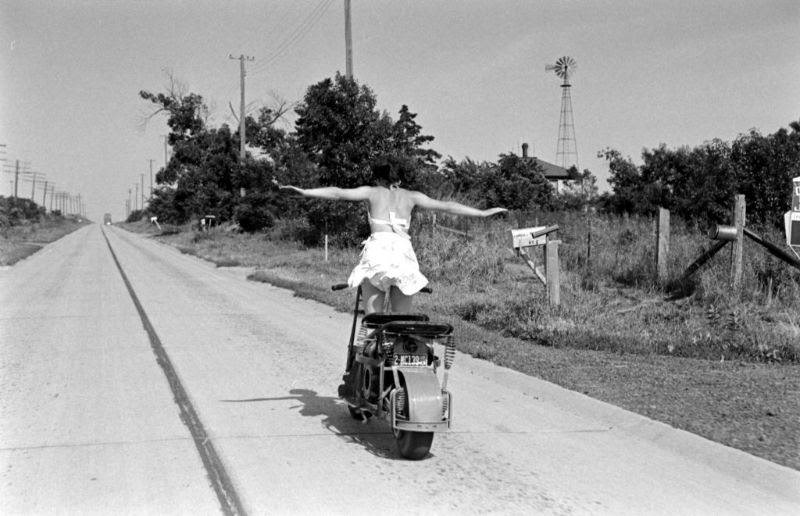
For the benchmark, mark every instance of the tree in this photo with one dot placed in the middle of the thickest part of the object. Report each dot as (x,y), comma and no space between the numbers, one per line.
(344,134)
(626,184)
(203,170)
(698,184)
(186,112)
(517,184)
(513,182)
(764,167)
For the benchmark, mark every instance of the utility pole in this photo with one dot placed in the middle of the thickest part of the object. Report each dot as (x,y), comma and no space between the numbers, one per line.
(44,196)
(151,179)
(33,187)
(136,197)
(16,179)
(52,194)
(242,58)
(129,203)
(141,179)
(348,41)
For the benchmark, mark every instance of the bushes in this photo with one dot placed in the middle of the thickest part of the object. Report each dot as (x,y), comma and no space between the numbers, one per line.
(254,212)
(14,211)
(135,216)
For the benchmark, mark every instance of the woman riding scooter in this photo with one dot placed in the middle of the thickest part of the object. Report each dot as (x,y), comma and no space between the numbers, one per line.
(388,259)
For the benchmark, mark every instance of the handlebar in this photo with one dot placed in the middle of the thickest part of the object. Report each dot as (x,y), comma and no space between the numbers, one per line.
(342,286)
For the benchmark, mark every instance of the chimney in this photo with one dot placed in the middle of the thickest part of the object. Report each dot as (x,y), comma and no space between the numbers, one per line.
(524,150)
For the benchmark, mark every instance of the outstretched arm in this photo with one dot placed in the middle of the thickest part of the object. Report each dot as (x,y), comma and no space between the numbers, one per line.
(331,192)
(455,208)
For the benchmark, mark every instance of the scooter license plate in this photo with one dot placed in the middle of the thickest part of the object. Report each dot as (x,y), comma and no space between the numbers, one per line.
(410,360)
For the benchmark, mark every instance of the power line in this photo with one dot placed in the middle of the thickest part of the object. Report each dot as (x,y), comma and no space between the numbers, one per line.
(296,35)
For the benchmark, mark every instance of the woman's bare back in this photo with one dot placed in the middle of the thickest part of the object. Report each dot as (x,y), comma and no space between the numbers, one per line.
(388,205)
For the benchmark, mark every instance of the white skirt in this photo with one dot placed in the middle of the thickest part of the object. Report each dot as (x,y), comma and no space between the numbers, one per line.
(388,260)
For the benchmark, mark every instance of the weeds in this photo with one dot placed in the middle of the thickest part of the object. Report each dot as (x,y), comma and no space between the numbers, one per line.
(611,299)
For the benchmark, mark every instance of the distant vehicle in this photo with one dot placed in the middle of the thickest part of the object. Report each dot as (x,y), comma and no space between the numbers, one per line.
(107,219)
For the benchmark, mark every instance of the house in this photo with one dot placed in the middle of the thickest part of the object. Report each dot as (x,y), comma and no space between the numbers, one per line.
(551,172)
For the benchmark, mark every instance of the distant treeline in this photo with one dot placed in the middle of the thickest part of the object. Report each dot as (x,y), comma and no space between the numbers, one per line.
(339,135)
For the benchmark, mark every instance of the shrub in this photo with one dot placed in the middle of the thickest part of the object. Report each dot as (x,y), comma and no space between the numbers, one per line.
(253,212)
(135,216)
(14,211)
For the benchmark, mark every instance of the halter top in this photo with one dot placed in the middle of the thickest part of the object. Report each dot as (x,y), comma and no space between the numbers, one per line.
(398,225)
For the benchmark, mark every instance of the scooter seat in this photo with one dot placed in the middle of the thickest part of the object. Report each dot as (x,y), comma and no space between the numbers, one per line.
(422,328)
(378,319)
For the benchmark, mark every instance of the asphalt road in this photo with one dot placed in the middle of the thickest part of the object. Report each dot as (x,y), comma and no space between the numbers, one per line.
(189,390)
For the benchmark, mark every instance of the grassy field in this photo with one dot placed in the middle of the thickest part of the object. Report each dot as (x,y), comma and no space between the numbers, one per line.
(724,366)
(20,241)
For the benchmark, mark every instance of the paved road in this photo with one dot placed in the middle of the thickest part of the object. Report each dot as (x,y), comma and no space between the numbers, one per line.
(91,422)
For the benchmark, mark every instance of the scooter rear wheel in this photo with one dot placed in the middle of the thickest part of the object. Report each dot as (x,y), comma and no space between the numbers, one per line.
(413,445)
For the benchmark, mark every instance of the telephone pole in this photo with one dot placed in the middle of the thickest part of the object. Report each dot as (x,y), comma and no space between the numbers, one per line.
(44,196)
(141,178)
(348,41)
(151,179)
(242,58)
(16,179)
(136,197)
(33,187)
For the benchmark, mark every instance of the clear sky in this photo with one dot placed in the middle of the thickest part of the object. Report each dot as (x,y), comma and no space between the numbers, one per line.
(678,72)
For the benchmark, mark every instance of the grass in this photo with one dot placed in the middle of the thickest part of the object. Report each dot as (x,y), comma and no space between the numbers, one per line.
(722,366)
(20,241)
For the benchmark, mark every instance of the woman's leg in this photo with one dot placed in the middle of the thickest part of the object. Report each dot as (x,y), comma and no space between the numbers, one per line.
(372,297)
(401,303)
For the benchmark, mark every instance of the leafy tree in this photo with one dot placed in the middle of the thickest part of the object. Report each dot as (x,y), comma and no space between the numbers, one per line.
(204,168)
(516,184)
(764,167)
(578,193)
(186,112)
(344,134)
(513,182)
(262,133)
(698,184)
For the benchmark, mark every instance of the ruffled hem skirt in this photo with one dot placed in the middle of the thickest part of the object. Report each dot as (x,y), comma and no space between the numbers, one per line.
(388,260)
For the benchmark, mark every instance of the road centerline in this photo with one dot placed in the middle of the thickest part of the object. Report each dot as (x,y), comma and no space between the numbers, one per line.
(220,480)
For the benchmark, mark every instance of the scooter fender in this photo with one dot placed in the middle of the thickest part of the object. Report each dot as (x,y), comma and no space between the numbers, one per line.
(423,395)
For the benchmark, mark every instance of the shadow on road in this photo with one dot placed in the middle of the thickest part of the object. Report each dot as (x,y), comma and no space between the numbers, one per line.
(374,436)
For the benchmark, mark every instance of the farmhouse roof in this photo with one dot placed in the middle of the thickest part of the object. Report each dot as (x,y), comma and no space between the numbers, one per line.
(551,171)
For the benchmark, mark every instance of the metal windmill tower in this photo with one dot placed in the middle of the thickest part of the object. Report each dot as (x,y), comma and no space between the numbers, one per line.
(567,148)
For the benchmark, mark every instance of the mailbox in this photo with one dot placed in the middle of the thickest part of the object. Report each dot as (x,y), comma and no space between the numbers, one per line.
(796,194)
(792,221)
(726,233)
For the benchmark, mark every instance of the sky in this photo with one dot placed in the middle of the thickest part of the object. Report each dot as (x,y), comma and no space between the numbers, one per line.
(677,72)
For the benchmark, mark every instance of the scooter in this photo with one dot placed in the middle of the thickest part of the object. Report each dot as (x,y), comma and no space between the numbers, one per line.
(391,372)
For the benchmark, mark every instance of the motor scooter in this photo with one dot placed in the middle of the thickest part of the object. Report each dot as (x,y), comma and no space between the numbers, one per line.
(391,372)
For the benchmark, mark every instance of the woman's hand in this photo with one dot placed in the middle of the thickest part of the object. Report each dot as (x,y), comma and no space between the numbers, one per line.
(287,187)
(493,211)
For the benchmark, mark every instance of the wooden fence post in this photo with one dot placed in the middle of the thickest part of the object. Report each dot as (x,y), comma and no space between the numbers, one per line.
(739,212)
(551,272)
(662,249)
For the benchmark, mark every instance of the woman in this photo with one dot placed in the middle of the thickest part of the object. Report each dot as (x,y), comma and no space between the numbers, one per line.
(388,260)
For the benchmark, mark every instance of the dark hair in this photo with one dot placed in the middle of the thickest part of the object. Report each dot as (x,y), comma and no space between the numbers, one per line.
(385,173)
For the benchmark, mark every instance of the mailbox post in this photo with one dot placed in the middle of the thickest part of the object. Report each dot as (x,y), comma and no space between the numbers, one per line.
(792,219)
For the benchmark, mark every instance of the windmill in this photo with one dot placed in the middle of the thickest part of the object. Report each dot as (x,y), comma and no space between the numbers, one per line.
(567,148)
